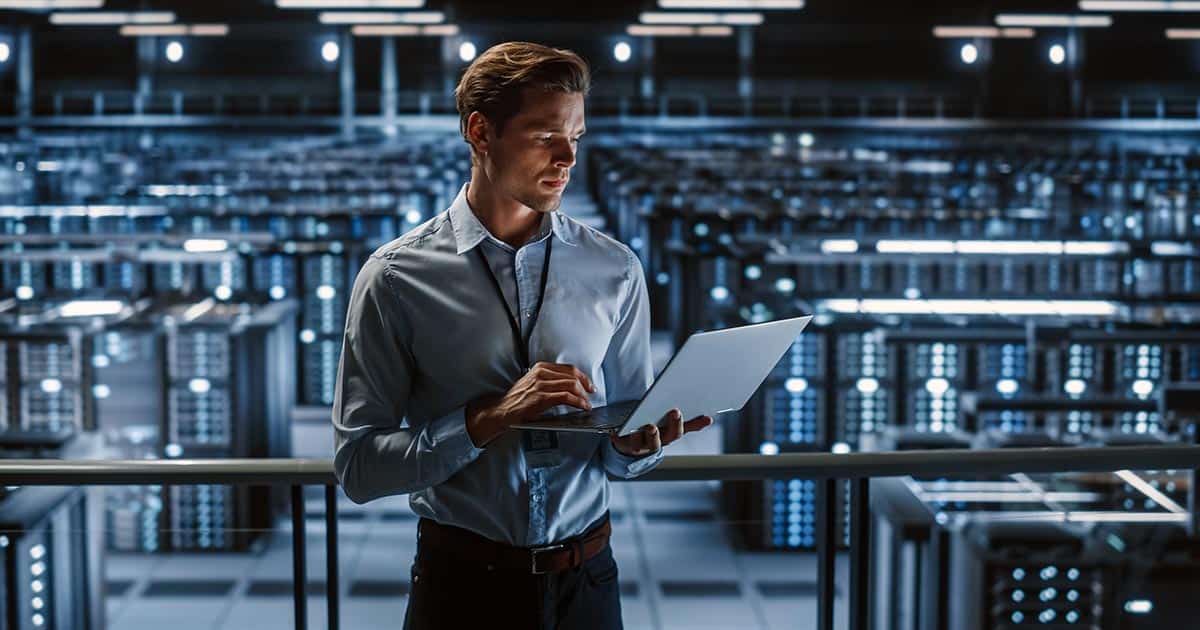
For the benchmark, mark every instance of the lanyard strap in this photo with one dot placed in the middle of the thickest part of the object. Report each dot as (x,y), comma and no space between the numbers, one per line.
(521,341)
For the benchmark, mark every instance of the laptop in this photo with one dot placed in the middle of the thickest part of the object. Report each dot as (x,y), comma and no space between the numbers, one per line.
(711,373)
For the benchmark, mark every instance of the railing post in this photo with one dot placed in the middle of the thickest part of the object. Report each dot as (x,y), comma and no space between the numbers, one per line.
(299,570)
(860,554)
(332,586)
(826,551)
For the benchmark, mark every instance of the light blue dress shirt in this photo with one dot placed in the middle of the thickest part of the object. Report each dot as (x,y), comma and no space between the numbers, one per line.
(426,334)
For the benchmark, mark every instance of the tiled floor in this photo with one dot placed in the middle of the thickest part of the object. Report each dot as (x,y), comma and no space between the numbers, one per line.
(678,568)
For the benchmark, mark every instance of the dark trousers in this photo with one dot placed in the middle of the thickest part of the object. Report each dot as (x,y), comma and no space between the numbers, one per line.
(450,592)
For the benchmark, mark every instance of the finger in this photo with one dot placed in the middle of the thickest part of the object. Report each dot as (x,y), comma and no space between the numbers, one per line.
(652,439)
(546,400)
(672,428)
(574,372)
(697,423)
(562,385)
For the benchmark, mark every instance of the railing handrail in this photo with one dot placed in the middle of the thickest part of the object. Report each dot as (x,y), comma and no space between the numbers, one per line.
(18,472)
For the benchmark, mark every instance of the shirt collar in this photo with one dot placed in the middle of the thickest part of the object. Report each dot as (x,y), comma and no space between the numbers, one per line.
(469,232)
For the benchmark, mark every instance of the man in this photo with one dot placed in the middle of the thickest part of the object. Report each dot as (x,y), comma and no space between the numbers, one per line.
(492,313)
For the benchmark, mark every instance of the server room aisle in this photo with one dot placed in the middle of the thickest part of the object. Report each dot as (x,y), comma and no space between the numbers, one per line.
(678,567)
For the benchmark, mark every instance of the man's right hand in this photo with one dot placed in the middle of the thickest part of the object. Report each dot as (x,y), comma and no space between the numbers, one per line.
(545,385)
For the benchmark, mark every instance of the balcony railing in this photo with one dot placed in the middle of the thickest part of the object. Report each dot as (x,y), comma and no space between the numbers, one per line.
(829,468)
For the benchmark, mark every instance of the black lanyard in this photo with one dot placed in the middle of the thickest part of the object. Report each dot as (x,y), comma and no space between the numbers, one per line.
(521,341)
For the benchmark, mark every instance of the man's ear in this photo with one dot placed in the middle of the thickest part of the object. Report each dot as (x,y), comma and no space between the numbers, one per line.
(477,132)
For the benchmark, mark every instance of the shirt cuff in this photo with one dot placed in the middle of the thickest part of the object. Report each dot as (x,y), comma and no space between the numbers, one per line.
(448,435)
(628,467)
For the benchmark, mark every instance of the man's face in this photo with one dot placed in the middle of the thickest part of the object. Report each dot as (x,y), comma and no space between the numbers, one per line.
(531,160)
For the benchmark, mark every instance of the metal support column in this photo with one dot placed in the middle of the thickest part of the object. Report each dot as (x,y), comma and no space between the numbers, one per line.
(387,83)
(25,72)
(299,569)
(332,585)
(346,82)
(826,551)
(646,88)
(746,68)
(860,554)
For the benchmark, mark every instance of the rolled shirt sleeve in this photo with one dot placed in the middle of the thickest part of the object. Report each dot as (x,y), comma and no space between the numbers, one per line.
(628,370)
(374,454)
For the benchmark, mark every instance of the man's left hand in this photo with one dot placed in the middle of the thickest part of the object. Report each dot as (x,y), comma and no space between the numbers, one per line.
(649,439)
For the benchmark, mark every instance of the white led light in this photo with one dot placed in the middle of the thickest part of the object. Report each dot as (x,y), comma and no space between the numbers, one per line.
(719,293)
(38,603)
(891,246)
(867,385)
(37,568)
(349,4)
(796,385)
(1143,388)
(330,51)
(622,52)
(93,18)
(1056,20)
(1159,6)
(937,386)
(101,391)
(412,216)
(785,285)
(51,4)
(5,52)
(37,586)
(205,245)
(466,51)
(174,52)
(277,292)
(37,551)
(968,53)
(1075,387)
(839,246)
(768,448)
(38,620)
(807,140)
(90,308)
(1007,386)
(199,385)
(731,4)
(1139,606)
(24,292)
(326,292)
(1057,54)
(696,18)
(307,336)
(753,272)
(51,385)
(223,292)
(841,448)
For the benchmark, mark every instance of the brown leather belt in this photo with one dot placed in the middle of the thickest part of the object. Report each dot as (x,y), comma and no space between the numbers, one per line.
(561,556)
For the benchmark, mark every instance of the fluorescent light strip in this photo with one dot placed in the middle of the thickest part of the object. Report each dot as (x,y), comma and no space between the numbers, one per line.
(1044,248)
(51,4)
(1152,493)
(981,32)
(662,17)
(1036,19)
(969,486)
(106,18)
(349,4)
(402,30)
(839,246)
(203,245)
(363,17)
(647,30)
(1063,308)
(731,4)
(90,308)
(1137,5)
(1010,497)
(1078,517)
(1183,33)
(153,30)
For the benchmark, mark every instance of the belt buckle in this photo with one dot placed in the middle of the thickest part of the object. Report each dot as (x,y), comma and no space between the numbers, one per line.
(533,556)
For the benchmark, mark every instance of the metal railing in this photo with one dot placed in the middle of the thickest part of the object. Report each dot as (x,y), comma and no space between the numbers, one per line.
(829,468)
